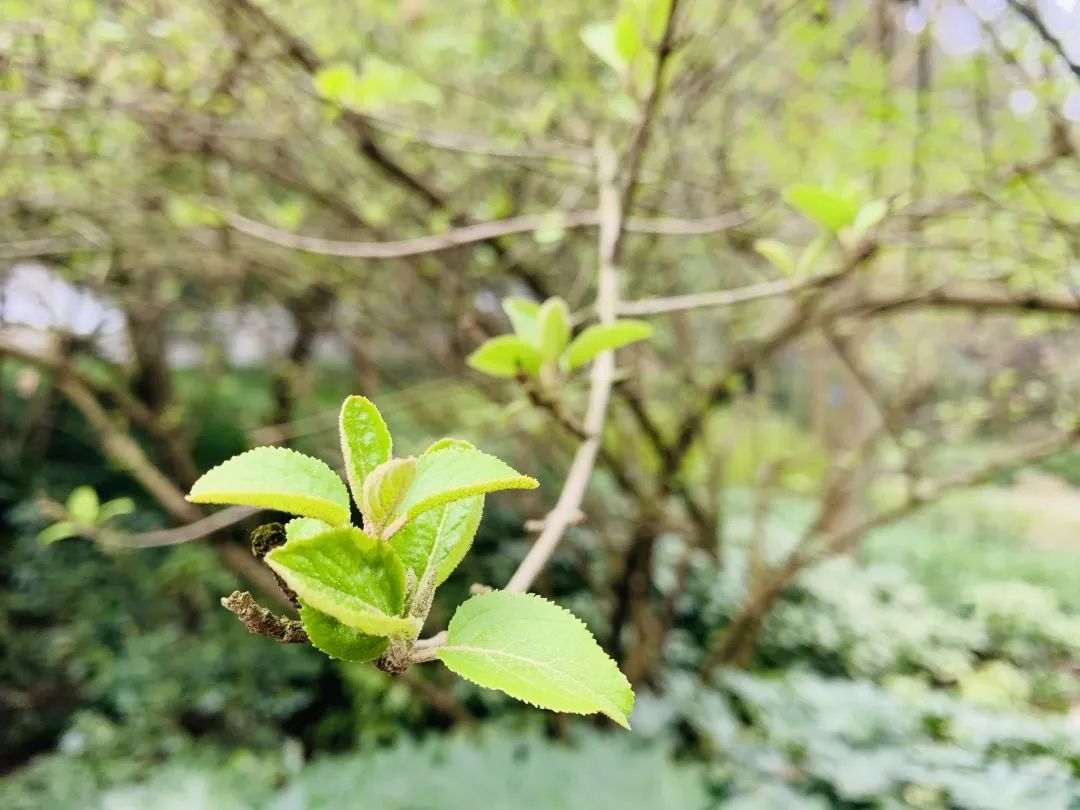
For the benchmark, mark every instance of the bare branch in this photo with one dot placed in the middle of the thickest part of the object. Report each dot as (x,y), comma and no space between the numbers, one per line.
(479,232)
(263,622)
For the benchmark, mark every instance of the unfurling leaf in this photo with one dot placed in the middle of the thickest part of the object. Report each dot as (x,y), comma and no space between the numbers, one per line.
(523,315)
(537,652)
(869,215)
(61,530)
(506,356)
(117,507)
(601,337)
(778,254)
(365,441)
(384,490)
(433,543)
(553,322)
(301,527)
(600,39)
(456,473)
(338,640)
(828,209)
(350,576)
(276,478)
(82,505)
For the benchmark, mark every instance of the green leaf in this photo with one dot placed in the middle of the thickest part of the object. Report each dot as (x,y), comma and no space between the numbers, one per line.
(828,209)
(778,254)
(537,652)
(456,473)
(601,337)
(600,39)
(117,507)
(869,215)
(434,542)
(82,505)
(628,41)
(276,478)
(365,441)
(350,576)
(554,326)
(447,443)
(812,255)
(338,640)
(505,356)
(523,315)
(384,490)
(298,528)
(61,530)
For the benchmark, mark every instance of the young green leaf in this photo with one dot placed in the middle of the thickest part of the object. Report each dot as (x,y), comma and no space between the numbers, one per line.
(61,530)
(338,640)
(812,255)
(601,337)
(276,478)
(117,507)
(298,528)
(778,254)
(350,576)
(456,473)
(433,543)
(828,209)
(447,443)
(600,39)
(537,652)
(384,490)
(82,505)
(523,315)
(365,441)
(506,356)
(869,215)
(554,325)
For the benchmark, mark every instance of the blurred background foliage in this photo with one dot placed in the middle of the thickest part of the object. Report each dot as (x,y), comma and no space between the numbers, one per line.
(832,534)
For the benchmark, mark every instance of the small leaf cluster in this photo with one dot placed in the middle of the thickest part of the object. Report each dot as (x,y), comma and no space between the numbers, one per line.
(83,515)
(541,346)
(364,592)
(840,214)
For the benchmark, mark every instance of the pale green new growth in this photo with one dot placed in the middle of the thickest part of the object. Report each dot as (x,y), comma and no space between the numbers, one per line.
(365,441)
(456,473)
(338,640)
(829,209)
(384,490)
(602,337)
(506,356)
(537,652)
(541,341)
(553,322)
(276,478)
(433,543)
(300,527)
(523,315)
(352,577)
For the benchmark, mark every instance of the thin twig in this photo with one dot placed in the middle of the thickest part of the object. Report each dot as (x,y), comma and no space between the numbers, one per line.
(600,381)
(476,233)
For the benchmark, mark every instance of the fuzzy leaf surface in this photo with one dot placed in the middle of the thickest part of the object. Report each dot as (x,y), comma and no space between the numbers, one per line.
(535,651)
(276,478)
(337,640)
(354,578)
(365,441)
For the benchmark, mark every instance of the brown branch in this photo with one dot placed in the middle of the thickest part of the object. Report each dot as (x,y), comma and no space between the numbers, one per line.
(1031,16)
(475,233)
(263,622)
(601,378)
